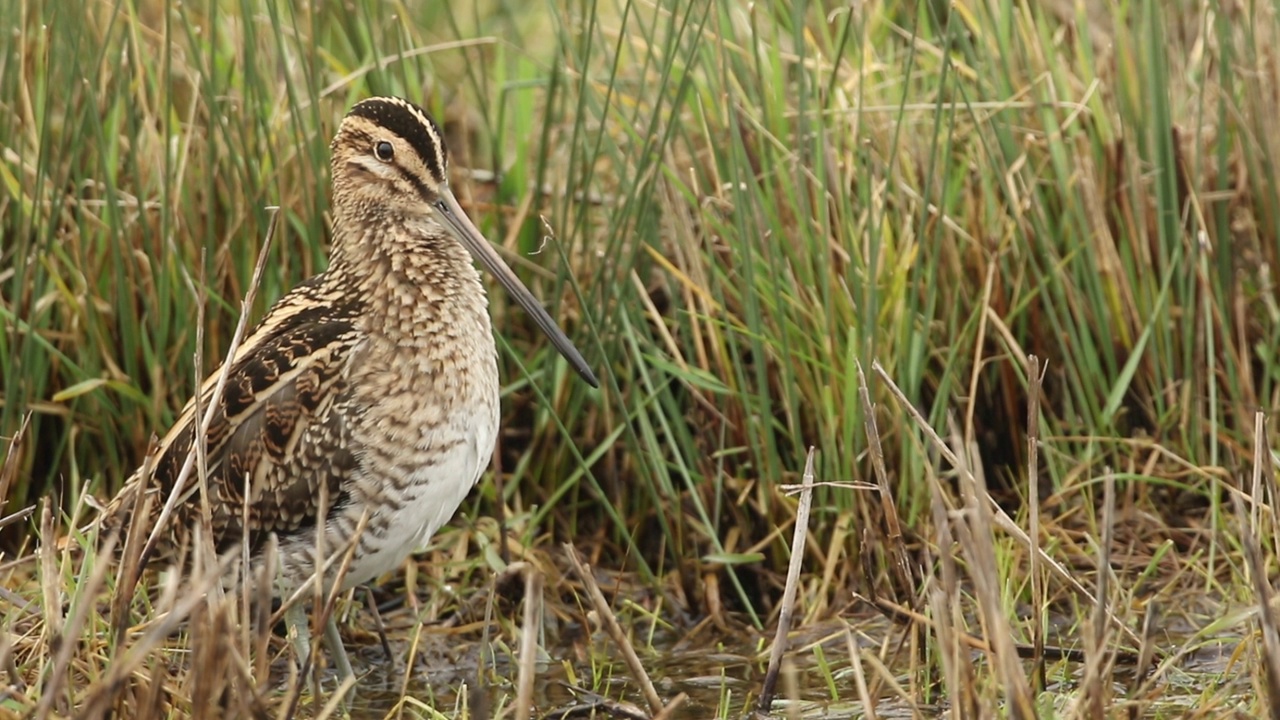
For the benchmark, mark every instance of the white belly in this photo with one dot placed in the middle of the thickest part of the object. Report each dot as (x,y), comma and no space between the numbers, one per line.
(429,500)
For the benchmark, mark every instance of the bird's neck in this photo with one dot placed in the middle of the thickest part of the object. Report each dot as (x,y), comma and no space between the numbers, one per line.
(417,283)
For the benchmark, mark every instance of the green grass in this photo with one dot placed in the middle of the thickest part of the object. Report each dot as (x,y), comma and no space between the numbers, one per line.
(729,206)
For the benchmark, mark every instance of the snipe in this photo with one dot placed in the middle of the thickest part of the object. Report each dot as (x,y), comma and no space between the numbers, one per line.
(367,398)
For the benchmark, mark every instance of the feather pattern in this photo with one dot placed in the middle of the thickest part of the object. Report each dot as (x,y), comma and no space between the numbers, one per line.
(367,397)
(278,430)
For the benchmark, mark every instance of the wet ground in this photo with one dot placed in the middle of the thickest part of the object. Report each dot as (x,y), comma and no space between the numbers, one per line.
(721,674)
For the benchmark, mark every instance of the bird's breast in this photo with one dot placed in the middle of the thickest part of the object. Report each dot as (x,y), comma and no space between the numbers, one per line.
(423,426)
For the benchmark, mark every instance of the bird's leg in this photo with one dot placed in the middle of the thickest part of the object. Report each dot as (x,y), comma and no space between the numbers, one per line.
(299,631)
(336,650)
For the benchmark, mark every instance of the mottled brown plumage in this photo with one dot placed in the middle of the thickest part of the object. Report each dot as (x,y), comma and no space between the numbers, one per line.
(370,390)
(276,422)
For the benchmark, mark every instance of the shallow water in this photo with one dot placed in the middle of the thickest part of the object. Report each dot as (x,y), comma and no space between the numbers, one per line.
(718,676)
(721,674)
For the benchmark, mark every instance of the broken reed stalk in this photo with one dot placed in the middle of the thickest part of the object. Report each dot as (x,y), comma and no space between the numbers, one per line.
(611,626)
(1268,481)
(529,643)
(1104,555)
(976,533)
(50,585)
(1035,383)
(1094,685)
(1257,569)
(204,548)
(944,600)
(1255,484)
(1270,654)
(892,525)
(130,568)
(789,594)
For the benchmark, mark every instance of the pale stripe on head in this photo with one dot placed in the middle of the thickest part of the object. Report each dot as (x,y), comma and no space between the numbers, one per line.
(414,125)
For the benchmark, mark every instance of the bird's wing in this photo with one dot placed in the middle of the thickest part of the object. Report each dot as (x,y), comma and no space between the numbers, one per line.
(275,449)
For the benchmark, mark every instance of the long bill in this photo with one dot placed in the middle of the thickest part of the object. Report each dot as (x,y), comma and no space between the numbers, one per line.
(469,235)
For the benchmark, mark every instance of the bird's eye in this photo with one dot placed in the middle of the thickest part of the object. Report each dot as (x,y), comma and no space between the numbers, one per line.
(384,151)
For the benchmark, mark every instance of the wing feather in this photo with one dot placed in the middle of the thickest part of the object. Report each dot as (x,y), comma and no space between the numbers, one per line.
(278,434)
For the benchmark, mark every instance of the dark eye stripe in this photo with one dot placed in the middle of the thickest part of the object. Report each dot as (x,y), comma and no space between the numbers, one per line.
(426,193)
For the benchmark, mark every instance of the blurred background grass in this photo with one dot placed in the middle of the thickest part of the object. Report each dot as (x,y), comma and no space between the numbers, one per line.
(728,205)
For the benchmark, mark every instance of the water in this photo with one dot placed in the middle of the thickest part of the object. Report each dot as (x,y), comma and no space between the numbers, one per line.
(722,673)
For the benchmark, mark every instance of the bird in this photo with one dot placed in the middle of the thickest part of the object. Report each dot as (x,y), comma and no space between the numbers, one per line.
(364,405)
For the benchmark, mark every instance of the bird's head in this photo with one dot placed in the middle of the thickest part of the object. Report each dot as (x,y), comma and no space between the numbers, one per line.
(391,168)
